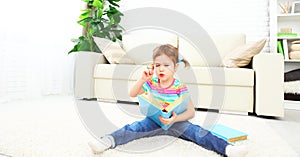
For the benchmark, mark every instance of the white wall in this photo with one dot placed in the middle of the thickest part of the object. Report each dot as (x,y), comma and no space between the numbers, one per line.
(247,16)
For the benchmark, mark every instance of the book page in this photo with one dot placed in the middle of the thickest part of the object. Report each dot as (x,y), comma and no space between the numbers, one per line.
(150,99)
(178,101)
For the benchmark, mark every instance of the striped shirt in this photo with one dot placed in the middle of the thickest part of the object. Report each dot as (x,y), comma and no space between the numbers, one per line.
(166,95)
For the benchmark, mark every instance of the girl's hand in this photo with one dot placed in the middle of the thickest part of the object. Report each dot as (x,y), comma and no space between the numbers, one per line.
(148,73)
(168,121)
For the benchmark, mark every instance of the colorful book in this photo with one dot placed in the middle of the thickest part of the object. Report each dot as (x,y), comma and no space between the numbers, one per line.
(287,34)
(153,109)
(226,133)
(280,48)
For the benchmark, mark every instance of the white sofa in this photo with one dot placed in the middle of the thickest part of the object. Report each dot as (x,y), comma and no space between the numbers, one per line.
(258,89)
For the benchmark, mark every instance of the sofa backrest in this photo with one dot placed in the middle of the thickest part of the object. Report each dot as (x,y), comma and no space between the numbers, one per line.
(139,45)
(224,43)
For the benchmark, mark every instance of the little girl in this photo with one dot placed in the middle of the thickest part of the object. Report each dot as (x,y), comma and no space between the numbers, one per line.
(165,64)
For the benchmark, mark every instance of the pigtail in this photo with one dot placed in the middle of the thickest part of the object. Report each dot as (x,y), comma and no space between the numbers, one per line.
(186,63)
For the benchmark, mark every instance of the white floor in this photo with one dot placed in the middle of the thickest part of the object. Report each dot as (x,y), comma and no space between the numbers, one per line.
(288,128)
(54,109)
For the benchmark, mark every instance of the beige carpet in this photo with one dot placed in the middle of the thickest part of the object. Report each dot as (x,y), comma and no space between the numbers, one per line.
(51,127)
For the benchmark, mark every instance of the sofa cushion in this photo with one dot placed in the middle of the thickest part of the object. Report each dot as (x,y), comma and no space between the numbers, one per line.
(224,43)
(112,51)
(221,75)
(203,75)
(139,44)
(242,55)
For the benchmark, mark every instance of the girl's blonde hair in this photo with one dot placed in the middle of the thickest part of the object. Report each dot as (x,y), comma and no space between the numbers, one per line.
(171,52)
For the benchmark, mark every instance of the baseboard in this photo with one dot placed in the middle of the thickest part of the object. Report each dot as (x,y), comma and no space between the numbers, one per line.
(291,105)
(234,112)
(222,111)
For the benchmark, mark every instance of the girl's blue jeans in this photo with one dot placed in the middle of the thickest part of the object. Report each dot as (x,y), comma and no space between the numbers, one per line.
(184,130)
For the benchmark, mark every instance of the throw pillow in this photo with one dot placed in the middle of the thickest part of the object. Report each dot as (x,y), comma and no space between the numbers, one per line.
(224,42)
(242,55)
(112,51)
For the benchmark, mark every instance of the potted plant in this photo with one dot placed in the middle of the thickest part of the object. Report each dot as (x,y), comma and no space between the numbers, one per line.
(101,19)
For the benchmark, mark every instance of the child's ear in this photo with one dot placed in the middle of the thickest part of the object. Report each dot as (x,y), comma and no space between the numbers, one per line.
(176,66)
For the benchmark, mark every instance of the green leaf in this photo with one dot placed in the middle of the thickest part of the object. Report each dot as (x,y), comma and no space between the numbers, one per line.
(100,35)
(112,9)
(117,19)
(91,32)
(97,4)
(85,20)
(113,3)
(104,20)
(75,49)
(101,25)
(84,15)
(117,34)
(78,45)
(120,37)
(111,22)
(82,24)
(81,38)
(84,46)
(100,12)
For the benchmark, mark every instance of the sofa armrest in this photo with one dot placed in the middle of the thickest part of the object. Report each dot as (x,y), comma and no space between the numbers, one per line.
(84,73)
(269,79)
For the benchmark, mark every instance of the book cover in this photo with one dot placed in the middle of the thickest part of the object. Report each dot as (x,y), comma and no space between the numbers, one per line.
(153,109)
(228,134)
(287,34)
(279,48)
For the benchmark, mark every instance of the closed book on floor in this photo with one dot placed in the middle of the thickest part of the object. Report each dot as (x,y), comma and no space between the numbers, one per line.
(227,133)
(153,109)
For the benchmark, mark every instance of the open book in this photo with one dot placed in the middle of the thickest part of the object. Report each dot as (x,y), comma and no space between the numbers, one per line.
(153,108)
(226,133)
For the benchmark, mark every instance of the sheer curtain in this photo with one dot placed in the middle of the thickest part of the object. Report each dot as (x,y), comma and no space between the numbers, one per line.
(34,42)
